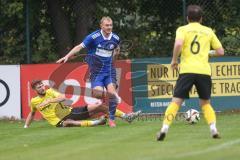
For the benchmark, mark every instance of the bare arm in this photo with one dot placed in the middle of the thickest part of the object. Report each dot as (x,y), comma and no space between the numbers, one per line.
(176,52)
(70,54)
(58,99)
(116,53)
(216,52)
(29,119)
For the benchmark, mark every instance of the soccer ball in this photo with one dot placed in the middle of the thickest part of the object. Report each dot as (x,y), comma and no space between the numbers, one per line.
(192,116)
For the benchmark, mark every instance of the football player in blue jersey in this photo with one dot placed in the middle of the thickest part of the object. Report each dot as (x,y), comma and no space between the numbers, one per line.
(102,45)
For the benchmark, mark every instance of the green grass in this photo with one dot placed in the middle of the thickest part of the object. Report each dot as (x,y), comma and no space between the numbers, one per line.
(126,142)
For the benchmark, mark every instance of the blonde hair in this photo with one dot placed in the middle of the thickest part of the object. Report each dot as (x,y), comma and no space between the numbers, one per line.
(105,18)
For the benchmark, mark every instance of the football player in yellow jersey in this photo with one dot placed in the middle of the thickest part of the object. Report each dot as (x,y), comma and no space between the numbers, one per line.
(49,103)
(193,41)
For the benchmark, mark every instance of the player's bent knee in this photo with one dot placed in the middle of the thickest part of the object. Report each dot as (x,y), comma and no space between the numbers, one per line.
(97,94)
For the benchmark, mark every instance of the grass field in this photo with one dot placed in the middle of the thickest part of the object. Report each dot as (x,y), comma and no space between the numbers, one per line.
(126,142)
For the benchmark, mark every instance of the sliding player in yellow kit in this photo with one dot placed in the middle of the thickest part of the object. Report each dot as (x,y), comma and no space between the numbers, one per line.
(193,41)
(49,103)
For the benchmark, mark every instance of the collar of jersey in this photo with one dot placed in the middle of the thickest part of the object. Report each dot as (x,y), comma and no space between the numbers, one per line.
(106,38)
(195,23)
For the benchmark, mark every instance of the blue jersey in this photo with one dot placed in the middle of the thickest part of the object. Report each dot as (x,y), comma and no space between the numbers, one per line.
(100,52)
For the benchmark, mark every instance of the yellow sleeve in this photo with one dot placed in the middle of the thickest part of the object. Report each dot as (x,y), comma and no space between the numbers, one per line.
(54,93)
(33,106)
(215,43)
(180,34)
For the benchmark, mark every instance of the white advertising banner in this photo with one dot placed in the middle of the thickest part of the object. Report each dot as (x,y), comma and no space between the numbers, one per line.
(10,105)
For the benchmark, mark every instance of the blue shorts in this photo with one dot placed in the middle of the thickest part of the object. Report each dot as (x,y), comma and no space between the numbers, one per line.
(100,74)
(103,79)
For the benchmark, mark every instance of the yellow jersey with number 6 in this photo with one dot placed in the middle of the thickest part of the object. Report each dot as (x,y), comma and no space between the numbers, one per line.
(53,112)
(197,40)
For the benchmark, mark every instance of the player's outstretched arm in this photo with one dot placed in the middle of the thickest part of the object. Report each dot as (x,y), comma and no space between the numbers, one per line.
(217,52)
(59,98)
(116,53)
(70,54)
(29,119)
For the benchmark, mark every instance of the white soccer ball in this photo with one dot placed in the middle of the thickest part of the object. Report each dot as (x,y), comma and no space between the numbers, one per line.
(192,116)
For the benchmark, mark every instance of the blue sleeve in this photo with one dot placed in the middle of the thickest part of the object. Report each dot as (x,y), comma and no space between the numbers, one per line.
(87,41)
(118,41)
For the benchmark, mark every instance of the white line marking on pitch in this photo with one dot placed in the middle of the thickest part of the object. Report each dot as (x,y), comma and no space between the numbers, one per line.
(210,149)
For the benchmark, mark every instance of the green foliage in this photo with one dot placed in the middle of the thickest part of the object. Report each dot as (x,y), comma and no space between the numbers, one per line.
(11,32)
(231,41)
(42,48)
(42,39)
(149,26)
(231,25)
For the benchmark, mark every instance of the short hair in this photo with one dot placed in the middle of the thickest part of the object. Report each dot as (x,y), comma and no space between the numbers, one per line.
(35,82)
(194,13)
(105,18)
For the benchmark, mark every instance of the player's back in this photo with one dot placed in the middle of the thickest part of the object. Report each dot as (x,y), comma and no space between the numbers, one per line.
(197,42)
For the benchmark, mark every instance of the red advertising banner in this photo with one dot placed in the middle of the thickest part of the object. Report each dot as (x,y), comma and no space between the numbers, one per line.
(72,79)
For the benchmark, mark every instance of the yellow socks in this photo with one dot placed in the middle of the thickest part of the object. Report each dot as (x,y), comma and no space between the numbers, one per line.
(119,113)
(209,113)
(170,113)
(86,123)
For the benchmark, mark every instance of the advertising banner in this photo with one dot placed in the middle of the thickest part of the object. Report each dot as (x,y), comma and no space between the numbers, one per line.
(154,81)
(72,79)
(10,91)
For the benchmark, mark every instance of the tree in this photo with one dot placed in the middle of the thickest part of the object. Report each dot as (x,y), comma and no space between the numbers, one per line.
(61,26)
(148,26)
